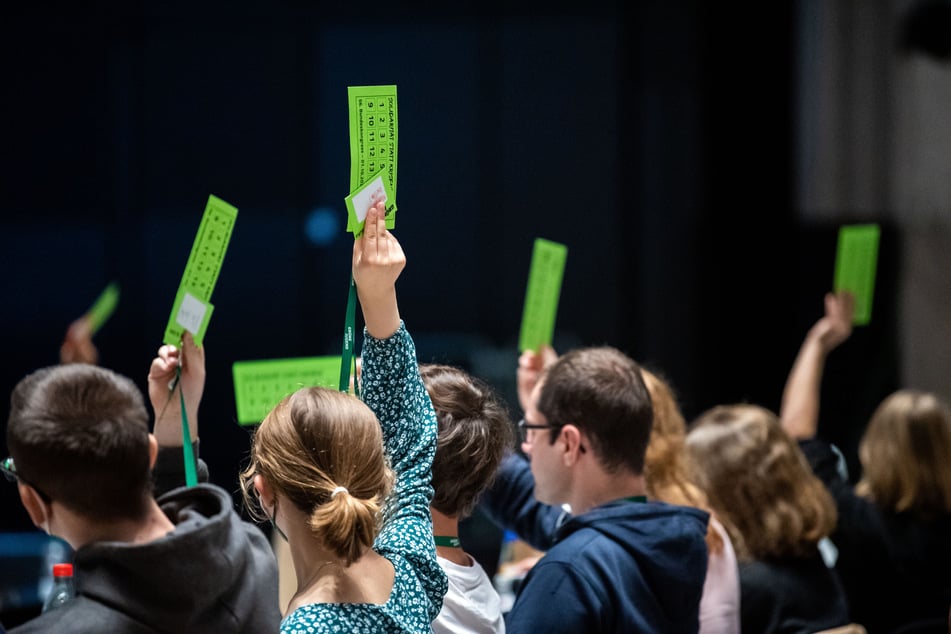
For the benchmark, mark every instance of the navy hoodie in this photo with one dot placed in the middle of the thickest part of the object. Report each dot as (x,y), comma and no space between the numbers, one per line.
(621,567)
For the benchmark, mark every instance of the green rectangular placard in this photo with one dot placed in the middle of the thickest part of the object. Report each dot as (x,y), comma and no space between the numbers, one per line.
(260,385)
(855,266)
(541,296)
(103,307)
(204,264)
(374,135)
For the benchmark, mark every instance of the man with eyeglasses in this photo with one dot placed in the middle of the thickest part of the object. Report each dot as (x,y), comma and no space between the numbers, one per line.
(81,456)
(615,562)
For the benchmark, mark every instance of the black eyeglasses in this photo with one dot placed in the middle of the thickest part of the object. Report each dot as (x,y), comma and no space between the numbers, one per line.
(10,472)
(524,426)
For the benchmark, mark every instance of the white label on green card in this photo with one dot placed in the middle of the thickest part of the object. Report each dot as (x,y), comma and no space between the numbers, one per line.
(204,262)
(260,385)
(541,296)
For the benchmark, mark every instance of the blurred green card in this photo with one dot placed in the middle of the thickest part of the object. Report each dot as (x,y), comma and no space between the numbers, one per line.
(260,385)
(102,309)
(374,133)
(541,296)
(855,266)
(204,263)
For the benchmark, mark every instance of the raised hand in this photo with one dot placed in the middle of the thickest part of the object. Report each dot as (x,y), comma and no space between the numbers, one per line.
(164,389)
(378,260)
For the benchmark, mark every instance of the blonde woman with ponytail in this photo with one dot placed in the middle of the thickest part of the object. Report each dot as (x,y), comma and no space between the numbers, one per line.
(348,482)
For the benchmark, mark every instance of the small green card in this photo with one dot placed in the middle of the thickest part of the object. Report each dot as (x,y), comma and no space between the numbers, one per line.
(855,267)
(103,307)
(373,141)
(541,296)
(260,385)
(204,264)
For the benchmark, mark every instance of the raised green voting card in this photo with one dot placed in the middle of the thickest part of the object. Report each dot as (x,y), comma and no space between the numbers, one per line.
(373,143)
(541,296)
(855,267)
(260,385)
(192,300)
(102,309)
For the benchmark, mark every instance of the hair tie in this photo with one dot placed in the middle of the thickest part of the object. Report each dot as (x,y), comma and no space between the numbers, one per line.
(334,493)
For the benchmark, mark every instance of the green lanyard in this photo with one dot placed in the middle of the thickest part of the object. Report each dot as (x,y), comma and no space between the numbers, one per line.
(191,475)
(634,498)
(445,540)
(347,359)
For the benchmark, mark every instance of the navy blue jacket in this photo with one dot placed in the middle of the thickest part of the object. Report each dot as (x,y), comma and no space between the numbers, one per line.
(621,567)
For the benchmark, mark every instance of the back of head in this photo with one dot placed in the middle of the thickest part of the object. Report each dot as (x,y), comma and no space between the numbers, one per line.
(79,434)
(313,442)
(665,463)
(474,434)
(906,454)
(759,483)
(601,391)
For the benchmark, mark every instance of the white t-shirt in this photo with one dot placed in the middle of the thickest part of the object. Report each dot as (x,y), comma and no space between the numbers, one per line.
(471,605)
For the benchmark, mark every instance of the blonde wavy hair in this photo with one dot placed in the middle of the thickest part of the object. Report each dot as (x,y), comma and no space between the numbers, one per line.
(759,482)
(906,455)
(665,463)
(312,442)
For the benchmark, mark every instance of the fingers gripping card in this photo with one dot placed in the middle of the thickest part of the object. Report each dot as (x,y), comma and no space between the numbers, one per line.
(373,146)
(541,296)
(260,385)
(201,273)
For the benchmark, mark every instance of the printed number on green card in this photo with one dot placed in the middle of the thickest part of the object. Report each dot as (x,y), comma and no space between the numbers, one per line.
(541,296)
(855,267)
(204,265)
(374,137)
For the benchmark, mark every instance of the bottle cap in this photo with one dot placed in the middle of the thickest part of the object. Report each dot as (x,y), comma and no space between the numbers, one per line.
(62,570)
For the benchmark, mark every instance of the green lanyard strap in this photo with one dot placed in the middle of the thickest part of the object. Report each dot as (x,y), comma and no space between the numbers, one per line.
(347,358)
(191,475)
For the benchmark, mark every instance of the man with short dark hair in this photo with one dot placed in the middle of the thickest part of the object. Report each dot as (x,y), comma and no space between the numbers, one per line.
(616,563)
(185,562)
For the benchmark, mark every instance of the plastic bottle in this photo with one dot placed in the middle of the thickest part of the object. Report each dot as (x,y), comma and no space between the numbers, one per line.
(63,588)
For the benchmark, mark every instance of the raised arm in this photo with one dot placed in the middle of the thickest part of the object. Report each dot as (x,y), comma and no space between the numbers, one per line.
(394,390)
(799,411)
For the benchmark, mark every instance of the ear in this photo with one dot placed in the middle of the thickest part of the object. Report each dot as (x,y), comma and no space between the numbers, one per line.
(38,510)
(153,451)
(573,441)
(265,493)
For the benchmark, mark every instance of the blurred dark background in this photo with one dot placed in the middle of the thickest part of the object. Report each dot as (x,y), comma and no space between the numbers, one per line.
(655,139)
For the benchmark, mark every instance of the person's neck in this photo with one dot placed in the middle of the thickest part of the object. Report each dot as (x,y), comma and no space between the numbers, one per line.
(445,526)
(153,525)
(598,487)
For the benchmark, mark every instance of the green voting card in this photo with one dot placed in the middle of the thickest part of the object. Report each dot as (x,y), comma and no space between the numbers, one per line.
(103,307)
(855,264)
(373,142)
(260,385)
(541,296)
(201,271)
